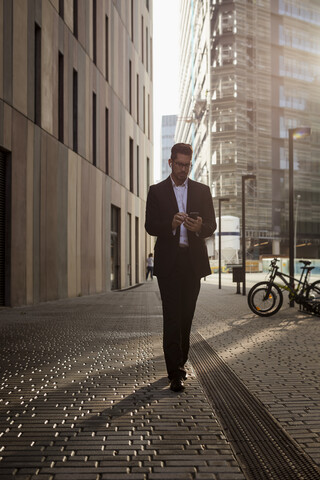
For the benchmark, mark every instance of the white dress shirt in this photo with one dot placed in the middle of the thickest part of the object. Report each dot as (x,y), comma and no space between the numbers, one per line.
(181,193)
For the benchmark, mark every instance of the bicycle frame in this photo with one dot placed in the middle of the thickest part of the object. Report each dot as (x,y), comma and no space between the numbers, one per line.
(302,282)
(266,298)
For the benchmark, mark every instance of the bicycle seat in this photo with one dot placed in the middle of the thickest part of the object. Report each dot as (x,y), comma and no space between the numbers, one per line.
(305,262)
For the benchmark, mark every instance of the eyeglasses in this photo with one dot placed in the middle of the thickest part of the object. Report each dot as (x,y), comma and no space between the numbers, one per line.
(183,165)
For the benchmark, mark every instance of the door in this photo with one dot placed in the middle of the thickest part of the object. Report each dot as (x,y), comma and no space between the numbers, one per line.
(4,228)
(137,248)
(115,247)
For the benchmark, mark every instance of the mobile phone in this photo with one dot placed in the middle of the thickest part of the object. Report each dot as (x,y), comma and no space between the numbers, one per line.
(193,215)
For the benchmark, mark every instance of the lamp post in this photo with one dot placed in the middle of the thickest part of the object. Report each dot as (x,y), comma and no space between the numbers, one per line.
(294,134)
(296,225)
(221,199)
(244,178)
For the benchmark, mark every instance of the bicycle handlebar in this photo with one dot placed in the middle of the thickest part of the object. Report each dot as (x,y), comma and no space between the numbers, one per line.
(274,262)
(305,262)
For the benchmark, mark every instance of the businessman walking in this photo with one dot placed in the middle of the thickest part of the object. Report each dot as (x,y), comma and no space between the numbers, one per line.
(180,214)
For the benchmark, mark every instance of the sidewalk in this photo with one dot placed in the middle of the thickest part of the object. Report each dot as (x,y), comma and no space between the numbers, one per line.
(84,393)
(276,357)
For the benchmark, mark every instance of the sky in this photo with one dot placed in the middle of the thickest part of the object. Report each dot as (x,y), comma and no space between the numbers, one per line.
(165,68)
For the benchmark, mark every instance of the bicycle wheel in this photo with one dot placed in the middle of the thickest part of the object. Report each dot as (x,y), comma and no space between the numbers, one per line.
(262,304)
(313,291)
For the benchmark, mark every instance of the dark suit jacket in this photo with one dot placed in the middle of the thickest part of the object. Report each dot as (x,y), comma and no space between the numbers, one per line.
(161,208)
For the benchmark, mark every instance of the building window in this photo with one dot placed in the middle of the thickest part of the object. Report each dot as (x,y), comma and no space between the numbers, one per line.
(107,48)
(147,49)
(144,109)
(37,75)
(138,99)
(130,87)
(138,171)
(149,118)
(94,129)
(137,248)
(60,97)
(131,164)
(142,39)
(132,20)
(75,18)
(129,250)
(151,60)
(250,50)
(148,174)
(94,30)
(147,4)
(107,141)
(227,22)
(61,8)
(75,110)
(251,115)
(226,54)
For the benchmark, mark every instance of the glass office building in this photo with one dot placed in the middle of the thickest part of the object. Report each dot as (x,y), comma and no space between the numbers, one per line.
(250,71)
(168,128)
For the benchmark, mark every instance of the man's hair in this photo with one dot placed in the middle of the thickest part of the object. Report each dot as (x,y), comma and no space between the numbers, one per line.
(183,148)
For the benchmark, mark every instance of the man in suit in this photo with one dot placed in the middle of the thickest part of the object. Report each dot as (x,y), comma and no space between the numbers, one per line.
(181,257)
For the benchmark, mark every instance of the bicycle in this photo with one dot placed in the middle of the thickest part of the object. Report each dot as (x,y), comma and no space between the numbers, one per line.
(266,298)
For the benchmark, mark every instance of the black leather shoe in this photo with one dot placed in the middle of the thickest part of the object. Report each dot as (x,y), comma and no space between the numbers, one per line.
(176,385)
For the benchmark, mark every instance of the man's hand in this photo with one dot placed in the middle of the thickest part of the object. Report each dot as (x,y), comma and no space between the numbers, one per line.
(178,219)
(193,225)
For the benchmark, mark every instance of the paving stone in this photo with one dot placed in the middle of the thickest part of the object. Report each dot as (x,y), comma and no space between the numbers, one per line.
(170,476)
(75,476)
(205,476)
(132,476)
(84,393)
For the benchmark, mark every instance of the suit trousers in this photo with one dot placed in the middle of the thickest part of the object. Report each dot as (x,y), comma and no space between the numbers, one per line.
(179,292)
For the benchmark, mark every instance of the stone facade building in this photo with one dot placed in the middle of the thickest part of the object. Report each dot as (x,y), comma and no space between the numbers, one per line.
(76,153)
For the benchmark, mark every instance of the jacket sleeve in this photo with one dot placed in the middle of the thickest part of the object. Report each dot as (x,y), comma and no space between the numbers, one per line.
(209,223)
(158,223)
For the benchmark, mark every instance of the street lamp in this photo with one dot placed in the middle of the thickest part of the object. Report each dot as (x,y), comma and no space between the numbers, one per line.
(221,199)
(244,178)
(296,225)
(294,134)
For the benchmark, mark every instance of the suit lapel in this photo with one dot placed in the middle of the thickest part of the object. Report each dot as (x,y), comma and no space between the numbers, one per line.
(191,185)
(170,196)
(172,203)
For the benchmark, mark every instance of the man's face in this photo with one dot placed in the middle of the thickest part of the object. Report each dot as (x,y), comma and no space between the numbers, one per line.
(181,167)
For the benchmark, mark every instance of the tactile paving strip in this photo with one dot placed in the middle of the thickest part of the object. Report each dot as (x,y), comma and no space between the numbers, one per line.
(263,448)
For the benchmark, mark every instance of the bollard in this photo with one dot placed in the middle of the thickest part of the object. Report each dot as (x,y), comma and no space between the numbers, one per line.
(237,275)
